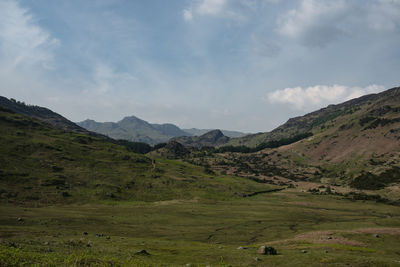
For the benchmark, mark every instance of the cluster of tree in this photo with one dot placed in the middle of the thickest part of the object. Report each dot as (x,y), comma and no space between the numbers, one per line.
(372,181)
(137,147)
(269,144)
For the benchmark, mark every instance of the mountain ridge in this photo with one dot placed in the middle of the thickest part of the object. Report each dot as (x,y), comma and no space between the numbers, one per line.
(132,128)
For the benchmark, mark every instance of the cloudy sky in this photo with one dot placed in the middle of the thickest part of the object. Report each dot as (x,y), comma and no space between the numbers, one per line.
(244,65)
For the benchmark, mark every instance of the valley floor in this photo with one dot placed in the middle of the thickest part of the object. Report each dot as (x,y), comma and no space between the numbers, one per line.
(305,229)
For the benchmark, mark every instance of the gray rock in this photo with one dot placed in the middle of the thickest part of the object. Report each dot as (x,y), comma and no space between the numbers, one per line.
(264,250)
(304,251)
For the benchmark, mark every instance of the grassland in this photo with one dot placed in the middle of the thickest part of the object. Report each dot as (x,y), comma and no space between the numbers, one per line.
(307,230)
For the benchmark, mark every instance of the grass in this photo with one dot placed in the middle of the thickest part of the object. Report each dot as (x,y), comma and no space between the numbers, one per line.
(199,232)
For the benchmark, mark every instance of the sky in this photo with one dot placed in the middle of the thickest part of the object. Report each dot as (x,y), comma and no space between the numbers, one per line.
(246,65)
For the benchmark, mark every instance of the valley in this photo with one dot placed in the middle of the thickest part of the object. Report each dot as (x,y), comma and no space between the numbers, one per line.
(322,190)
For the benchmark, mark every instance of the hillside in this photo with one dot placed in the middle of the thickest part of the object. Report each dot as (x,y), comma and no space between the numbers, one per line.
(42,164)
(355,143)
(316,121)
(134,129)
(42,114)
(210,139)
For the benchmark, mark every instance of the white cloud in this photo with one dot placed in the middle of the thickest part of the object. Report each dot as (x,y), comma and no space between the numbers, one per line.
(319,95)
(23,43)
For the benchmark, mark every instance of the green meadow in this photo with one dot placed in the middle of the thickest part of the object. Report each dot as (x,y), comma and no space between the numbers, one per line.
(305,229)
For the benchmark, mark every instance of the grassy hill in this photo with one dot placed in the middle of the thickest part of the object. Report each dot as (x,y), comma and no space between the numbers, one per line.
(42,164)
(42,114)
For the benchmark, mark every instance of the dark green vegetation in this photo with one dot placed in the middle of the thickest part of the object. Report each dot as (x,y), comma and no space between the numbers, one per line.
(371,181)
(262,146)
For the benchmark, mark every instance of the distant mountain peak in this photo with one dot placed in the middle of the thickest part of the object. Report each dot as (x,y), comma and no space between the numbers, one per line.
(214,134)
(211,138)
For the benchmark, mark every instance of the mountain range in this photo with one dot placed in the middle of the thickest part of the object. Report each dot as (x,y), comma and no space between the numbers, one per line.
(134,129)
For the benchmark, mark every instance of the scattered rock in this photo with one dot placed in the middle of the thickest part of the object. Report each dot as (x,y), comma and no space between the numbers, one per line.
(257,259)
(326,251)
(304,251)
(329,237)
(241,248)
(220,247)
(266,250)
(46,243)
(20,219)
(189,265)
(377,236)
(99,235)
(85,233)
(142,252)
(107,237)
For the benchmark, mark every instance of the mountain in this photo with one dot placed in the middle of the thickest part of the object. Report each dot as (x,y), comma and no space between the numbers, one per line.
(42,114)
(135,129)
(318,120)
(198,132)
(355,143)
(212,138)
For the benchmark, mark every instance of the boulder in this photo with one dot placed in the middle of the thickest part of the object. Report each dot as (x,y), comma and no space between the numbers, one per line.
(264,250)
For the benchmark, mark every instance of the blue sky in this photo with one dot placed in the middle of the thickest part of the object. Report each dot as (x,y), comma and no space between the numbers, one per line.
(244,65)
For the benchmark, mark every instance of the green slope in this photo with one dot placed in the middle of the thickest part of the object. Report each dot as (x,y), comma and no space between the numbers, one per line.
(41,164)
